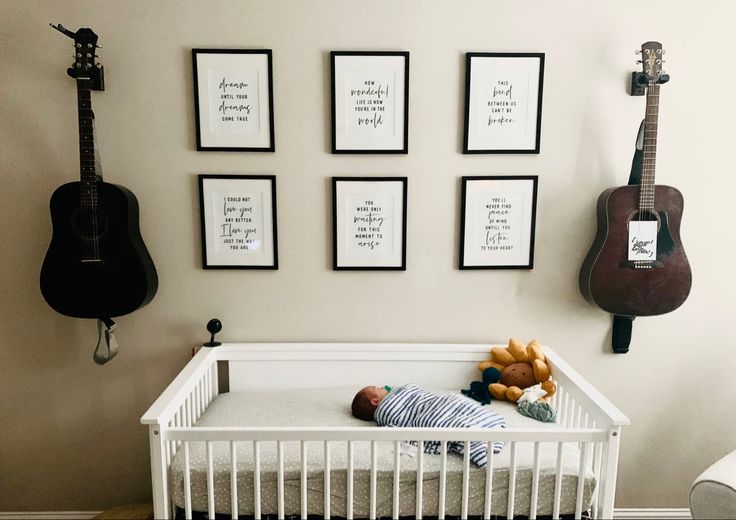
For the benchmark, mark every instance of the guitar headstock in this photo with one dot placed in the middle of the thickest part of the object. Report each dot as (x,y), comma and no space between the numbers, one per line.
(85,69)
(651,61)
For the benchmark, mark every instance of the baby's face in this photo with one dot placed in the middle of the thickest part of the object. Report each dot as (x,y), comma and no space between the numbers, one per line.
(375,393)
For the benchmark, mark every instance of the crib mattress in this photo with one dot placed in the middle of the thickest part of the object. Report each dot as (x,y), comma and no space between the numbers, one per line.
(331,407)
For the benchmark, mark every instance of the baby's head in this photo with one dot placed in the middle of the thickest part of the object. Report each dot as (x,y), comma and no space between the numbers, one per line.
(366,401)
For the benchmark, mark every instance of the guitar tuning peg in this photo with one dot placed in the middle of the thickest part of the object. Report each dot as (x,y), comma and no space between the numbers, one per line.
(98,46)
(637,51)
(638,62)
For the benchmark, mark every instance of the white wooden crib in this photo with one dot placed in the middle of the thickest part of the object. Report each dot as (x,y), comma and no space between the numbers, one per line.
(587,422)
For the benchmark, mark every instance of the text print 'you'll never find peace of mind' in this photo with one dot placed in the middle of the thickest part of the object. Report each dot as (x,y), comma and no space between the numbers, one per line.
(497,227)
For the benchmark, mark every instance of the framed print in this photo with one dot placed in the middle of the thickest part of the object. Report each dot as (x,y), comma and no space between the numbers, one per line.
(497,222)
(369,223)
(503,102)
(370,102)
(238,221)
(233,100)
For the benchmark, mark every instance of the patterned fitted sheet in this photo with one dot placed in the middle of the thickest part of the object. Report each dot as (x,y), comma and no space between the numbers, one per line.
(331,407)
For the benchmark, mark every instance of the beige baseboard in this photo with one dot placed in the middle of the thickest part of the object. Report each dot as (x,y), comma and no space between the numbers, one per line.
(49,515)
(666,513)
(623,514)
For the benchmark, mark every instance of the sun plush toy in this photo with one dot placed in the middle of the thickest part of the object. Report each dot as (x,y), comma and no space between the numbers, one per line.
(520,368)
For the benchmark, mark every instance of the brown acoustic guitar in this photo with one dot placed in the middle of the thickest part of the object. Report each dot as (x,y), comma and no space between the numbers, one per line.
(637,265)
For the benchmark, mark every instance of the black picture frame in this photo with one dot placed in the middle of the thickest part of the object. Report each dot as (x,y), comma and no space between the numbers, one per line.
(341,259)
(341,143)
(208,183)
(473,256)
(208,141)
(475,142)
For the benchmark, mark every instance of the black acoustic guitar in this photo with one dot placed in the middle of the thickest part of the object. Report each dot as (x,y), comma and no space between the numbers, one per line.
(97,265)
(657,282)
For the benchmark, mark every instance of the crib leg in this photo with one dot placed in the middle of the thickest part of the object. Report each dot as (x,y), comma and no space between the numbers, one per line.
(609,472)
(159,470)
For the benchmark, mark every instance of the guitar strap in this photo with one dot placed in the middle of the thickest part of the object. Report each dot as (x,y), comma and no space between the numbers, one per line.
(621,333)
(110,344)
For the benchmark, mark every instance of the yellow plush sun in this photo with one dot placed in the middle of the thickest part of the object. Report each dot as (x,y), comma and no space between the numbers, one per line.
(520,367)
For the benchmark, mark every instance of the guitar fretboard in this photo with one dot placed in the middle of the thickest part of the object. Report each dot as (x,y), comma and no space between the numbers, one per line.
(649,154)
(87,167)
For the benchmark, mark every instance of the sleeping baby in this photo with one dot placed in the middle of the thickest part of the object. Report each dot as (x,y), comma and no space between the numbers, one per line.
(411,407)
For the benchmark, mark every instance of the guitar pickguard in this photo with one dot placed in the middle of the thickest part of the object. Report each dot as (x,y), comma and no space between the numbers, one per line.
(665,243)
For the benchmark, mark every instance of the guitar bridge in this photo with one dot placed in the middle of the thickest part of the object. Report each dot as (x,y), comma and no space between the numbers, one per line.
(641,264)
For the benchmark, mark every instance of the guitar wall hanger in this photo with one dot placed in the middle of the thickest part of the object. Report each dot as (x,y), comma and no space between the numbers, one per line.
(640,80)
(84,67)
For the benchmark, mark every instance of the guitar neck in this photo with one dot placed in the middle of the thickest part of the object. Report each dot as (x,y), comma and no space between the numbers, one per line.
(87,163)
(649,154)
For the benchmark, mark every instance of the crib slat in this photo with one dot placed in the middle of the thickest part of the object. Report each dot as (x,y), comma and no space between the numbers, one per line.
(168,453)
(188,405)
(280,456)
(571,413)
(558,483)
(210,483)
(257,480)
(195,403)
(597,452)
(374,472)
(215,380)
(207,388)
(581,480)
(350,481)
(489,482)
(200,391)
(535,484)
(466,481)
(203,394)
(443,480)
(326,511)
(420,479)
(187,484)
(233,481)
(512,481)
(397,477)
(178,424)
(304,480)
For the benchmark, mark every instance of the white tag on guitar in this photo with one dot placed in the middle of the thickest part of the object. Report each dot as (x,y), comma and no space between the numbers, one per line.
(643,240)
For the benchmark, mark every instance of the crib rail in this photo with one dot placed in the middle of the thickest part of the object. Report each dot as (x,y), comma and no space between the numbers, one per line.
(591,442)
(586,420)
(381,434)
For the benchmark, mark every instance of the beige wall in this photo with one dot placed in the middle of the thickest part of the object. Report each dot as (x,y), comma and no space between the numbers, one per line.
(70,432)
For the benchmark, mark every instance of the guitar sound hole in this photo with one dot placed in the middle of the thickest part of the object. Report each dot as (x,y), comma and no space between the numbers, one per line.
(645,215)
(89,224)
